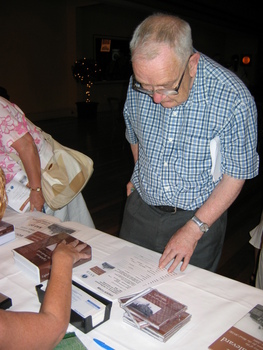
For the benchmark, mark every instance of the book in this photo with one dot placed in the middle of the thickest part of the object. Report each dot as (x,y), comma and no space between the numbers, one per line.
(153,307)
(37,236)
(35,258)
(154,313)
(247,333)
(7,232)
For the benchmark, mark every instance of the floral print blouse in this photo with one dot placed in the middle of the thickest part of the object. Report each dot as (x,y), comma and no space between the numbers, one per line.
(13,126)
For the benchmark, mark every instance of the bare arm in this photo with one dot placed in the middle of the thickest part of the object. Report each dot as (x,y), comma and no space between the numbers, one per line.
(44,330)
(28,154)
(183,242)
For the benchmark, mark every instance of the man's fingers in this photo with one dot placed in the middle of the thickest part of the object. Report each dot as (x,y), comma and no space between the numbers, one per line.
(177,260)
(185,263)
(166,258)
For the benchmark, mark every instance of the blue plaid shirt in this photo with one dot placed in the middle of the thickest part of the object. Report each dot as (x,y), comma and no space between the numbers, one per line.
(174,165)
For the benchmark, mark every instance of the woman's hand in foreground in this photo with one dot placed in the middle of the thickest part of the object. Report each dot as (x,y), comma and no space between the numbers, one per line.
(72,250)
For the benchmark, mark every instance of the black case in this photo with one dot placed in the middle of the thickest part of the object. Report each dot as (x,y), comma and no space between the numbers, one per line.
(5,302)
(83,324)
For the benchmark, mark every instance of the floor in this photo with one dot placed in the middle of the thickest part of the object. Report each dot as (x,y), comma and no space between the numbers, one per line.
(103,140)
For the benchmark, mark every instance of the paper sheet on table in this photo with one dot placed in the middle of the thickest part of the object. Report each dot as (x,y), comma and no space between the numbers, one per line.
(129,270)
(30,222)
(216,158)
(47,224)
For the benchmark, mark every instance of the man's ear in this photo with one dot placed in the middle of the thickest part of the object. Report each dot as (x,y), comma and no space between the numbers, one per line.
(193,62)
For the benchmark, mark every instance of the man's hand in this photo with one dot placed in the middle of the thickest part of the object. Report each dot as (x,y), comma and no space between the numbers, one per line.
(130,188)
(181,247)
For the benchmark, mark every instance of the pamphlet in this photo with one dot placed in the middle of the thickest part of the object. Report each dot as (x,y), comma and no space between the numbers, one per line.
(18,193)
(129,270)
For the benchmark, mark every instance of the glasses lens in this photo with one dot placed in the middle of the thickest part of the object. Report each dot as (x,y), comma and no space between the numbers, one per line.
(137,87)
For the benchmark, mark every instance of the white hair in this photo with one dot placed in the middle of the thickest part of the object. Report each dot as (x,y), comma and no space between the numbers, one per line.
(161,29)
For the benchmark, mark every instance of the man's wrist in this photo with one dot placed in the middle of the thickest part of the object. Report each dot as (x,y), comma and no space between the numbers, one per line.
(202,225)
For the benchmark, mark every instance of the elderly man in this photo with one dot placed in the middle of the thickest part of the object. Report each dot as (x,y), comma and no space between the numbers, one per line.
(192,127)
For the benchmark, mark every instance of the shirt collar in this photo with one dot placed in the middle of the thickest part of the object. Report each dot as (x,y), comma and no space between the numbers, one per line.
(198,93)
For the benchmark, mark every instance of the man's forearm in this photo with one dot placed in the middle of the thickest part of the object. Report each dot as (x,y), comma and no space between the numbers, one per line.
(183,243)
(220,199)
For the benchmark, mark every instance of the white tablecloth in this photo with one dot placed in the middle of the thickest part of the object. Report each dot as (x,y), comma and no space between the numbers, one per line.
(215,302)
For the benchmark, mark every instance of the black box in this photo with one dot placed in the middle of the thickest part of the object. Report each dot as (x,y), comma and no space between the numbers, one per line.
(83,324)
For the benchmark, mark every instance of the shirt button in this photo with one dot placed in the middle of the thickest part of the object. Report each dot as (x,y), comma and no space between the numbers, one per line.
(170,139)
(165,164)
(166,188)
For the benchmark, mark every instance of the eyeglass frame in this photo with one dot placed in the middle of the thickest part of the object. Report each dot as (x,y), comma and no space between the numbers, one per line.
(166,92)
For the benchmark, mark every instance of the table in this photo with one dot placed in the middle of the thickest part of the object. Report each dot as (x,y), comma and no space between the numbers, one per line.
(215,302)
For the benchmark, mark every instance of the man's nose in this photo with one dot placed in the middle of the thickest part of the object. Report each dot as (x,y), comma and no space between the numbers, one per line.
(157,97)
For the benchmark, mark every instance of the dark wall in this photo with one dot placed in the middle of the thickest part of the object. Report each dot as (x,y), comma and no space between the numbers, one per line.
(40,40)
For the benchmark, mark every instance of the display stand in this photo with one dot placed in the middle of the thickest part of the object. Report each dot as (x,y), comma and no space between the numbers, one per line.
(83,324)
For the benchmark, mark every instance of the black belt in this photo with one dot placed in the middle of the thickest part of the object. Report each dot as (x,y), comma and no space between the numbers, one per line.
(168,209)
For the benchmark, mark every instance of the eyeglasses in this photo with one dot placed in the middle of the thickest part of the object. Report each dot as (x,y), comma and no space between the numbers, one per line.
(137,86)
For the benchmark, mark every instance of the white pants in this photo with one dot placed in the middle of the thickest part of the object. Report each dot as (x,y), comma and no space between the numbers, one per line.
(256,240)
(259,277)
(76,211)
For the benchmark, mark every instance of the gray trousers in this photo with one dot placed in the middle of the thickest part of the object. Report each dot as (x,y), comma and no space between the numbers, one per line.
(152,228)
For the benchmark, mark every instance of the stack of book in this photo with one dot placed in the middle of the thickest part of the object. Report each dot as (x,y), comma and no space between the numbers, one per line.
(7,232)
(35,258)
(154,313)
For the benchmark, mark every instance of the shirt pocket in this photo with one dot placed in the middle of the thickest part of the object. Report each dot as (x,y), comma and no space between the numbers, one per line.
(194,159)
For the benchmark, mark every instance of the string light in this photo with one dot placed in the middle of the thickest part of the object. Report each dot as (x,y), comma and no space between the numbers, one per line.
(86,71)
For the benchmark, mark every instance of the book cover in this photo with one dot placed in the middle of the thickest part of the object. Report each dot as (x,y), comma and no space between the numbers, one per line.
(154,307)
(7,232)
(35,258)
(247,333)
(37,236)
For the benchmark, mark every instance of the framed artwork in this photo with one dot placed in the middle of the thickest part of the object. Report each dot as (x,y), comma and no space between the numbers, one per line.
(113,57)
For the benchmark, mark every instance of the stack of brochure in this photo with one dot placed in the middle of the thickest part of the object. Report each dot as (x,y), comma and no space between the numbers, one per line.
(154,313)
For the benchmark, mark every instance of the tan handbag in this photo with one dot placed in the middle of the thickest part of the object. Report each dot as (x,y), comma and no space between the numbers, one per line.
(65,175)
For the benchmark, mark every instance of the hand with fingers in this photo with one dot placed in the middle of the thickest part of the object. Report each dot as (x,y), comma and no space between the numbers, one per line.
(180,247)
(72,250)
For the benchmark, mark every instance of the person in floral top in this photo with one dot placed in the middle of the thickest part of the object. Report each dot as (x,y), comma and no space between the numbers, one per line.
(21,137)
